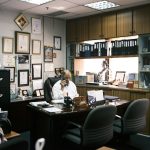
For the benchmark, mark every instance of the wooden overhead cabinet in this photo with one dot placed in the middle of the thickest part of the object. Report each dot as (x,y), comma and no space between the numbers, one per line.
(124,23)
(71,30)
(141,19)
(95,27)
(109,25)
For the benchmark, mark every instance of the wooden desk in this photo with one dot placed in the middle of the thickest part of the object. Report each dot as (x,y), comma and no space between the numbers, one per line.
(52,125)
(11,135)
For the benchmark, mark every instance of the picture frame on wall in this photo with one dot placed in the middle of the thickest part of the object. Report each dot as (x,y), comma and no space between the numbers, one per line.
(48,54)
(12,73)
(21,21)
(57,42)
(36,71)
(36,25)
(23,78)
(22,42)
(7,45)
(36,47)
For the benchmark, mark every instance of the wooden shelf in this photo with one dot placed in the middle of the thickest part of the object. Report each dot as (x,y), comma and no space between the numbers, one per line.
(119,56)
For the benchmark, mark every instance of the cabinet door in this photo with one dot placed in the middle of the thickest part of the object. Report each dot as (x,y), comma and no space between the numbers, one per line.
(141,20)
(95,27)
(82,29)
(124,23)
(71,31)
(109,25)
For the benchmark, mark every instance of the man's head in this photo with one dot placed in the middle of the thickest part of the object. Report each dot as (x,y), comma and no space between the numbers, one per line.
(67,75)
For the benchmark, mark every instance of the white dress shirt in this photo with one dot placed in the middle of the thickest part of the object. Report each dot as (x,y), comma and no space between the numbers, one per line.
(58,93)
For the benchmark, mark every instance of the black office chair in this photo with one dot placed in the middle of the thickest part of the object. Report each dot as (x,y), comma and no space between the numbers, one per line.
(48,84)
(97,129)
(134,118)
(14,144)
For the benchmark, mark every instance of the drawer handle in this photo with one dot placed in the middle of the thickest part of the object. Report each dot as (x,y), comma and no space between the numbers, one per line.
(1,79)
(1,95)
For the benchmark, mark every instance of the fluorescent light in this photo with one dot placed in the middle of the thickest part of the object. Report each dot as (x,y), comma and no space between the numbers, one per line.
(38,2)
(102,5)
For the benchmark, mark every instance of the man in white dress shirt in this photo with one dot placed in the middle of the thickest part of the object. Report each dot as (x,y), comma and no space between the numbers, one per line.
(64,87)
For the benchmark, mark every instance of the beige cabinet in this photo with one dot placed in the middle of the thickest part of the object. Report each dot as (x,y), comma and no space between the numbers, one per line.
(109,25)
(141,20)
(82,29)
(95,27)
(124,23)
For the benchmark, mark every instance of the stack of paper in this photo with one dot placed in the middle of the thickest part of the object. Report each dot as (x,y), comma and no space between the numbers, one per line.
(52,109)
(40,103)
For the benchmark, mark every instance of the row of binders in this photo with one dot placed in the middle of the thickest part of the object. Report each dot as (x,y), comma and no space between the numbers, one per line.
(119,47)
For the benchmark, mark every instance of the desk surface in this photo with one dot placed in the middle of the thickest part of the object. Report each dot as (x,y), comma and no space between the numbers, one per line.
(73,109)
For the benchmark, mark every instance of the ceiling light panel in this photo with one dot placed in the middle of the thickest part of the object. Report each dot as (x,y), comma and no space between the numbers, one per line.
(38,2)
(101,5)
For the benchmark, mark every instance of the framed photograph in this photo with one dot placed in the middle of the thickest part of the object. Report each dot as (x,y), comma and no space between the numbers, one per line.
(48,54)
(23,59)
(36,25)
(22,42)
(36,47)
(25,92)
(23,78)
(36,71)
(12,73)
(21,21)
(7,45)
(57,43)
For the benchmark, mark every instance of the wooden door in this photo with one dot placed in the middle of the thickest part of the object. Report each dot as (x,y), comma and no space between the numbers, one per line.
(95,27)
(141,20)
(109,25)
(82,29)
(71,31)
(124,23)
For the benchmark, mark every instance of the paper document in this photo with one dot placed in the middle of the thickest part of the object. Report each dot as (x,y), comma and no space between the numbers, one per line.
(40,103)
(98,94)
(52,109)
(58,101)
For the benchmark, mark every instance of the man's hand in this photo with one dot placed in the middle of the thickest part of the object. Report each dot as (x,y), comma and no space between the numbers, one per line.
(63,84)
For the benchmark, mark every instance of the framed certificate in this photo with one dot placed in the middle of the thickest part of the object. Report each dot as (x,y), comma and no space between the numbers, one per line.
(36,47)
(36,25)
(57,43)
(7,45)
(23,78)
(22,45)
(36,71)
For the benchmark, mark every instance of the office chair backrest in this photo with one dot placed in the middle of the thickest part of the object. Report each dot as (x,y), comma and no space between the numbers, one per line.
(49,83)
(134,119)
(98,126)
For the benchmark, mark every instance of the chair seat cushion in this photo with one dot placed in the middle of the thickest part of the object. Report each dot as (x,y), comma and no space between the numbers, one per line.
(117,126)
(73,135)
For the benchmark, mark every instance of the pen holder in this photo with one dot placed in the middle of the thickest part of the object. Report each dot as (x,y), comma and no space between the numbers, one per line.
(67,101)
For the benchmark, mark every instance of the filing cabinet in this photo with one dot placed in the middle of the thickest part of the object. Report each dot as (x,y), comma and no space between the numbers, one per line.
(4,89)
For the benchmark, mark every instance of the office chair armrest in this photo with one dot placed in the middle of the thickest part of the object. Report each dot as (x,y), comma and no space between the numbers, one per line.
(70,123)
(117,116)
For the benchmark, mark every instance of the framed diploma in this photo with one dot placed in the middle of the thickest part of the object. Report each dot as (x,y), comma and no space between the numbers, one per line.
(12,73)
(7,45)
(57,43)
(22,42)
(23,78)
(36,47)
(36,71)
(36,25)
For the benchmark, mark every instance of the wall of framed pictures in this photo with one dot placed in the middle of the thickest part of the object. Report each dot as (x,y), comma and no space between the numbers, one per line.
(27,50)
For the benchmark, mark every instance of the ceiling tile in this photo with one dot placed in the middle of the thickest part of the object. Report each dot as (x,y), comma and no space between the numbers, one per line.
(82,2)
